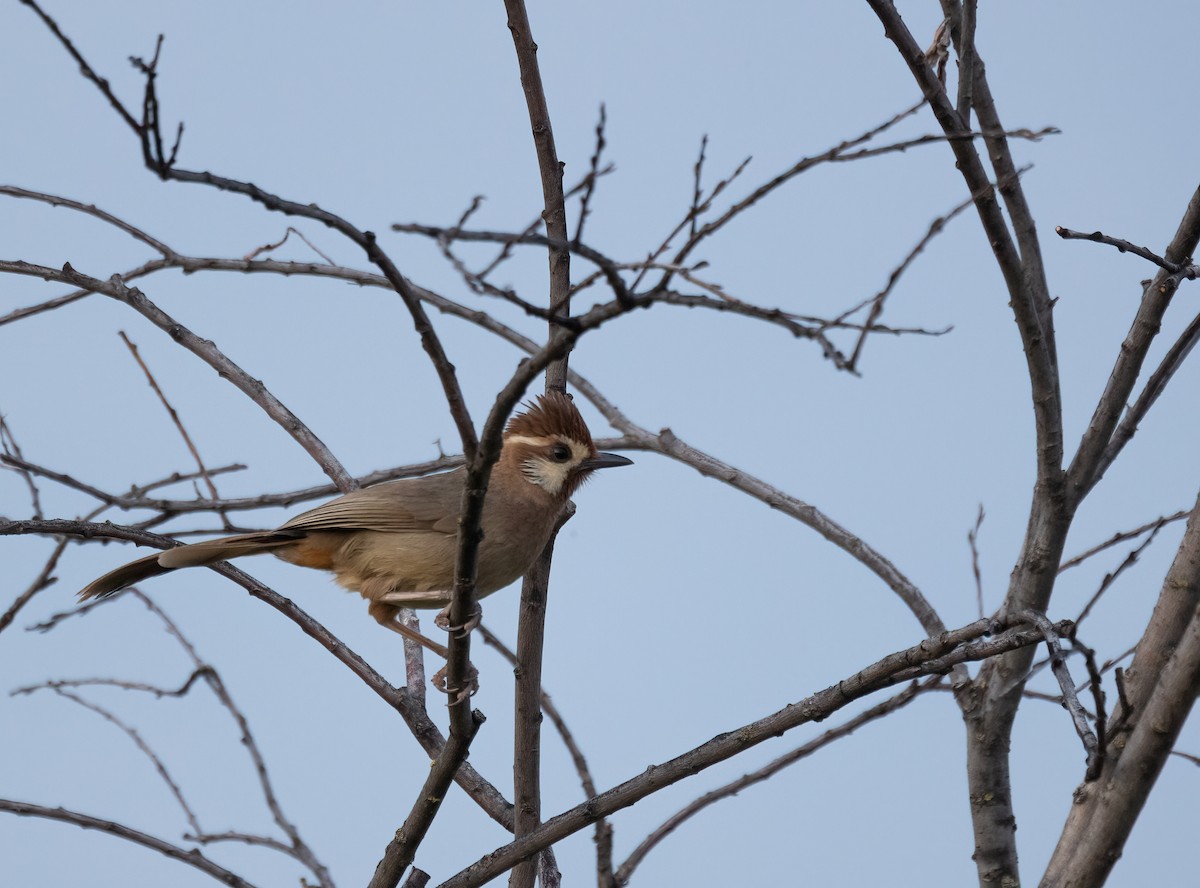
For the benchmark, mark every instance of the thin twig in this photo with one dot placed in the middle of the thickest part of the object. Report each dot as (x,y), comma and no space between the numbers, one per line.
(91,210)
(10,450)
(1121,537)
(573,749)
(656,836)
(142,746)
(1099,444)
(1155,385)
(710,228)
(700,204)
(147,130)
(636,437)
(44,580)
(171,412)
(1091,746)
(206,351)
(1125,246)
(972,541)
(299,849)
(191,856)
(593,175)
(267,248)
(1100,719)
(1111,576)
(138,500)
(876,302)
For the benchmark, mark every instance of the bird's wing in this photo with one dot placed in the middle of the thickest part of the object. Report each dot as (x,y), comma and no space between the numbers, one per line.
(411,505)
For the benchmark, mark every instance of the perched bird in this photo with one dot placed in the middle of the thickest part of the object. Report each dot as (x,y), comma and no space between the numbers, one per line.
(395,543)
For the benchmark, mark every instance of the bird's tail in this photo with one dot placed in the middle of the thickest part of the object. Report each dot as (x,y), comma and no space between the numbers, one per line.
(194,555)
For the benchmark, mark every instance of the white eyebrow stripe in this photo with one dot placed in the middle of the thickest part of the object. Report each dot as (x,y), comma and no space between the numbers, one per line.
(526,439)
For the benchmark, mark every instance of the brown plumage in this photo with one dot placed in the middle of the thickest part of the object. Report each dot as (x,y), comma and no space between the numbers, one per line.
(395,543)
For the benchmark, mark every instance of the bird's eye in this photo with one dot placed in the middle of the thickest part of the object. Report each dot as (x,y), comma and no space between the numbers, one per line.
(561,452)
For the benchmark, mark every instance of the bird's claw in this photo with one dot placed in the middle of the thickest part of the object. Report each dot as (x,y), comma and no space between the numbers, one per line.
(457,695)
(442,621)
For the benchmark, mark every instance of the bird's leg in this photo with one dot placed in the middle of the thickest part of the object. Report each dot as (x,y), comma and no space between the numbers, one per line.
(442,621)
(471,680)
(470,686)
(388,615)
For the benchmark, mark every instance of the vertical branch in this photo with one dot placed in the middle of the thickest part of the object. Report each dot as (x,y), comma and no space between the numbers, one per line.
(990,713)
(403,848)
(966,62)
(535,589)
(527,740)
(1156,699)
(551,171)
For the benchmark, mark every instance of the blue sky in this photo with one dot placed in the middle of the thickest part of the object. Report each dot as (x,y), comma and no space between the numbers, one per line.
(679,608)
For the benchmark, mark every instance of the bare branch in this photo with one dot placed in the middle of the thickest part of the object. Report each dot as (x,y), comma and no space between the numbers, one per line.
(416,878)
(137,499)
(1187,756)
(667,443)
(1095,753)
(44,580)
(206,351)
(400,852)
(84,67)
(603,839)
(876,302)
(298,848)
(178,423)
(191,857)
(267,248)
(1111,576)
(421,726)
(142,746)
(1022,270)
(59,301)
(878,711)
(966,61)
(1155,386)
(972,539)
(1157,696)
(10,450)
(91,210)
(592,177)
(933,656)
(1155,525)
(1093,457)
(802,165)
(1124,246)
(148,133)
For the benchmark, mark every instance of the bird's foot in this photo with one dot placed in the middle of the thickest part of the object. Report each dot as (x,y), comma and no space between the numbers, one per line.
(442,621)
(457,695)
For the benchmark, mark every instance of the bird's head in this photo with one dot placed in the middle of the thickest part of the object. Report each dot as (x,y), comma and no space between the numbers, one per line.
(551,445)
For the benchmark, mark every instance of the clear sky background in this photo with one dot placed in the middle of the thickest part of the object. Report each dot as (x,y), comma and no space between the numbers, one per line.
(679,608)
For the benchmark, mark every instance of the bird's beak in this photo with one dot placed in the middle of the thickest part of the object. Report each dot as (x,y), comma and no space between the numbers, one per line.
(605,461)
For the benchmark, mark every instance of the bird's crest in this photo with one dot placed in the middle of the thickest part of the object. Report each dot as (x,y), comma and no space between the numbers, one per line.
(553,414)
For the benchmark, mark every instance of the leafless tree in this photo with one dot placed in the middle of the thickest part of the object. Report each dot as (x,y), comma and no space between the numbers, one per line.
(1125,740)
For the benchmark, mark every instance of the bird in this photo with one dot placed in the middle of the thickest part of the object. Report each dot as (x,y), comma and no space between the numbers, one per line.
(396,543)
